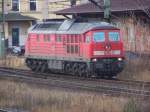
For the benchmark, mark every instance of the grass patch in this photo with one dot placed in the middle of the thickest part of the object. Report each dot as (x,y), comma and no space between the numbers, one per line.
(137,69)
(34,99)
(131,106)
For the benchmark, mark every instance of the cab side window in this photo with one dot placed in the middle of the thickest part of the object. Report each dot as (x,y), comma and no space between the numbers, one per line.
(87,39)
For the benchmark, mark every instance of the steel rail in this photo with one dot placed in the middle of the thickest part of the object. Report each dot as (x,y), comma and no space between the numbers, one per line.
(10,110)
(107,87)
(101,81)
(2,110)
(46,75)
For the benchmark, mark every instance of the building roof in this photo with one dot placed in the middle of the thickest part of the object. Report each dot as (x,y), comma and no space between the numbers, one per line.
(116,6)
(70,27)
(18,17)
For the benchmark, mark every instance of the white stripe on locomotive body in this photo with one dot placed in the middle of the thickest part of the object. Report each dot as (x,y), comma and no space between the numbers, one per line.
(75,28)
(95,53)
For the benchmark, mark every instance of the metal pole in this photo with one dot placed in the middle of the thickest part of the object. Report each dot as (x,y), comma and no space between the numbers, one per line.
(45,10)
(73,3)
(107,10)
(2,37)
(3,17)
(105,7)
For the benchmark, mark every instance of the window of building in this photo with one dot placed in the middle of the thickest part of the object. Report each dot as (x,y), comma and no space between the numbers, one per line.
(32,5)
(15,5)
(34,22)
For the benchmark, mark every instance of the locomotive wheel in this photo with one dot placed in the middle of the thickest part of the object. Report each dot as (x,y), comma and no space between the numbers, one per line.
(28,62)
(84,71)
(44,66)
(87,73)
(110,76)
(39,66)
(75,69)
(68,68)
(33,65)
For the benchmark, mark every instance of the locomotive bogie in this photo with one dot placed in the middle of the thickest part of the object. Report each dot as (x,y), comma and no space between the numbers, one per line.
(68,67)
(100,67)
(110,67)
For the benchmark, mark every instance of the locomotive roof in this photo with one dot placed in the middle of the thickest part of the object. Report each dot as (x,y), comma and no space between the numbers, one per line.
(69,27)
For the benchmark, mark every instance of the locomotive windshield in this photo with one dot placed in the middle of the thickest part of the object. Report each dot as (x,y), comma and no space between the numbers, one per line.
(99,37)
(113,36)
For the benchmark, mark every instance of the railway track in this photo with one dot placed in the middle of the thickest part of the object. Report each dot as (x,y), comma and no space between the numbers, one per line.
(11,110)
(108,87)
(2,110)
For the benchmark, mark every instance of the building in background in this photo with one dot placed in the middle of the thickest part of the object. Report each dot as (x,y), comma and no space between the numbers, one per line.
(39,9)
(16,26)
(132,16)
(21,14)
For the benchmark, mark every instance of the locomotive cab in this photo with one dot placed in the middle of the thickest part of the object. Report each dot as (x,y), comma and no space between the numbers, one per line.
(107,53)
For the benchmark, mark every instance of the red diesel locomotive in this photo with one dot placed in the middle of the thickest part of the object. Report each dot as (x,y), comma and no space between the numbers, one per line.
(78,48)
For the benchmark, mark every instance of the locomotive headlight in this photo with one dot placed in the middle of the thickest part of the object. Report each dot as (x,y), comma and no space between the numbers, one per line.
(94,60)
(116,52)
(119,59)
